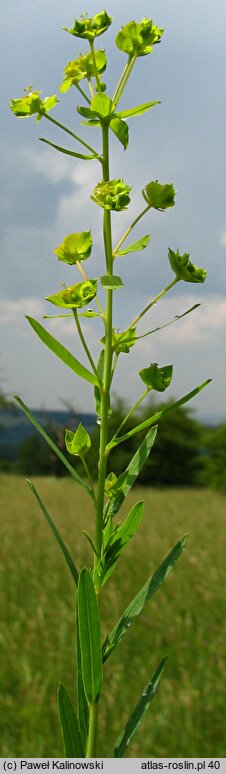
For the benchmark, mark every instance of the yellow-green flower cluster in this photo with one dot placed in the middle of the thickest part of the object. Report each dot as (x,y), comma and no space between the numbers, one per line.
(113,195)
(137,38)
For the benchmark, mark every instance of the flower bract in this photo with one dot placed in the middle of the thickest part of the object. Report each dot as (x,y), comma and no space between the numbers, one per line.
(77,296)
(90,28)
(157,378)
(184,269)
(159,196)
(75,247)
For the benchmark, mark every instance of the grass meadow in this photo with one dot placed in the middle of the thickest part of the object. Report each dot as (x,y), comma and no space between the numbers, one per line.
(185,620)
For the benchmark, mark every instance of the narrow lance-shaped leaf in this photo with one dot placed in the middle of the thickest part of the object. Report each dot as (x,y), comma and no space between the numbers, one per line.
(83,709)
(126,480)
(137,111)
(135,247)
(64,549)
(156,417)
(89,635)
(62,352)
(51,443)
(69,725)
(83,156)
(136,606)
(138,712)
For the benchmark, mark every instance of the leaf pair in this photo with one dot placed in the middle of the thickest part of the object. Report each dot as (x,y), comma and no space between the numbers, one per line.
(117,541)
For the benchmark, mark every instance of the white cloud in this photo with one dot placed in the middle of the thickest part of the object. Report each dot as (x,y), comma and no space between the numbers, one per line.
(14,311)
(200,326)
(223,239)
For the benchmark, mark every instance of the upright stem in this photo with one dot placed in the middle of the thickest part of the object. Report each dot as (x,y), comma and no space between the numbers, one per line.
(105,392)
(92,738)
(107,357)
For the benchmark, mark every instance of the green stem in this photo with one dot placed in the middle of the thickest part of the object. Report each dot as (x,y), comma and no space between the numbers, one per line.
(126,75)
(130,229)
(85,347)
(82,93)
(91,743)
(121,79)
(75,136)
(98,83)
(107,356)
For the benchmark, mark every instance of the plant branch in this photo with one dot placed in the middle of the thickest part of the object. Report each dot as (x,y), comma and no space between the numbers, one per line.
(85,347)
(134,407)
(82,93)
(124,237)
(98,83)
(123,81)
(75,136)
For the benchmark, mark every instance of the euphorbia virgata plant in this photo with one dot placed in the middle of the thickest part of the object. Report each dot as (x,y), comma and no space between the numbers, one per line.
(101,112)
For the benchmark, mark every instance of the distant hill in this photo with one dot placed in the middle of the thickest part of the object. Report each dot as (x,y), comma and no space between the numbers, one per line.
(15,427)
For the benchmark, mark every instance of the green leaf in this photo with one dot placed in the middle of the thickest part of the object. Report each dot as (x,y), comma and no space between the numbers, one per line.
(69,725)
(89,635)
(69,152)
(75,247)
(126,480)
(118,540)
(157,378)
(62,352)
(77,443)
(121,130)
(102,106)
(184,269)
(136,606)
(135,247)
(83,709)
(159,414)
(52,445)
(111,282)
(138,712)
(159,196)
(57,535)
(137,111)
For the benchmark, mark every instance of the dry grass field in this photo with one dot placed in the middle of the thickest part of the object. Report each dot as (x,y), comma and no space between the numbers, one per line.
(185,620)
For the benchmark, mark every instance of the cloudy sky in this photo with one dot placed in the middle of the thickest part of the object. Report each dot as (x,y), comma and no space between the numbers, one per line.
(45,195)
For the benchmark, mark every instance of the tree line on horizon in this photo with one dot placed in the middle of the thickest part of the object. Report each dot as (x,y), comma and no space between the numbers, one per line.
(185,452)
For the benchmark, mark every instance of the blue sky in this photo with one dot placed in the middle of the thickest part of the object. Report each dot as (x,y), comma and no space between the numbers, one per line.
(45,195)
